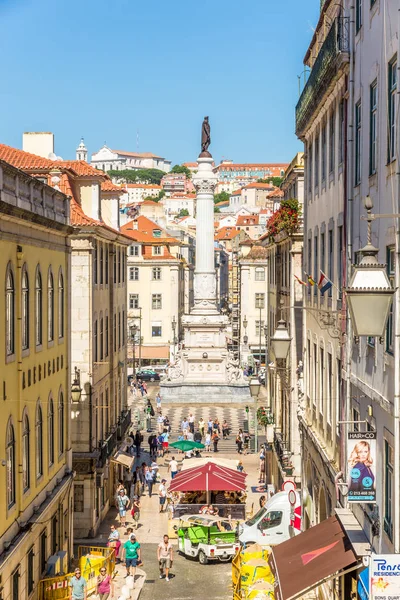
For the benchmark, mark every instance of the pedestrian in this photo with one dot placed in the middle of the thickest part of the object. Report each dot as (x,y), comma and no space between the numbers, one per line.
(202,426)
(167,424)
(160,423)
(262,501)
(120,486)
(210,426)
(191,422)
(162,494)
(77,586)
(173,467)
(122,505)
(165,557)
(190,436)
(261,466)
(158,402)
(239,441)
(144,386)
(138,441)
(165,437)
(132,555)
(105,585)
(225,430)
(148,417)
(239,466)
(160,445)
(208,442)
(149,441)
(246,443)
(154,446)
(197,436)
(215,440)
(185,426)
(135,512)
(149,478)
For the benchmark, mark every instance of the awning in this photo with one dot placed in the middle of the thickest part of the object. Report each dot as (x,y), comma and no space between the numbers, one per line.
(314,556)
(151,352)
(123,458)
(210,478)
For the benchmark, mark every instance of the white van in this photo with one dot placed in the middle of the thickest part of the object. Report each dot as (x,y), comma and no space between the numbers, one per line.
(276,522)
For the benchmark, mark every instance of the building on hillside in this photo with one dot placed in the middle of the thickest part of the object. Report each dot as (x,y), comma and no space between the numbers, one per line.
(156,292)
(118,160)
(97,329)
(251,225)
(222,275)
(321,125)
(36,478)
(186,222)
(192,166)
(235,200)
(137,192)
(153,211)
(226,221)
(175,204)
(227,170)
(256,194)
(274,200)
(292,185)
(177,183)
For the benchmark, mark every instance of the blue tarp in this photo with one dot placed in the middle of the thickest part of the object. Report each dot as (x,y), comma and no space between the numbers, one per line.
(363,584)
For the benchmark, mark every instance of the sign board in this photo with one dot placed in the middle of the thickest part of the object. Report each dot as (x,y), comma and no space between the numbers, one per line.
(361,466)
(385,577)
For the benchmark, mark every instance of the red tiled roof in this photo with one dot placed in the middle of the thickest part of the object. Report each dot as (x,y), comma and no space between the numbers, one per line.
(144,232)
(149,203)
(189,164)
(223,203)
(82,168)
(145,186)
(138,154)
(25,160)
(236,193)
(259,186)
(181,195)
(262,165)
(277,193)
(247,220)
(109,186)
(227,233)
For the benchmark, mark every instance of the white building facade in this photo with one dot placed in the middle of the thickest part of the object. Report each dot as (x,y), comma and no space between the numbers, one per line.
(107,159)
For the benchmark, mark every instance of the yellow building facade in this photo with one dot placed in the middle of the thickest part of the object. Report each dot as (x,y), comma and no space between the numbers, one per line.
(36,485)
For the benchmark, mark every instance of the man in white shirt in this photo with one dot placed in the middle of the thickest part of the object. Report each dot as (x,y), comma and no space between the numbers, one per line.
(191,422)
(173,467)
(162,494)
(185,426)
(165,557)
(160,423)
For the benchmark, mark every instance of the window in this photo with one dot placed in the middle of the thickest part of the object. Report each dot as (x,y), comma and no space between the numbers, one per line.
(25,309)
(342,132)
(101,266)
(119,265)
(390,266)
(392,85)
(101,338)
(30,571)
(156,331)
(106,339)
(115,265)
(373,109)
(134,251)
(78,498)
(134,273)
(95,266)
(26,454)
(316,161)
(340,259)
(358,9)
(157,250)
(38,308)
(43,551)
(156,301)
(39,441)
(309,161)
(315,277)
(258,329)
(271,519)
(119,329)
(61,423)
(332,142)
(50,307)
(115,333)
(123,327)
(323,153)
(61,306)
(95,342)
(389,485)
(259,300)
(338,389)
(50,431)
(329,384)
(10,464)
(322,260)
(10,312)
(54,534)
(260,274)
(156,273)
(106,265)
(357,166)
(133,301)
(15,585)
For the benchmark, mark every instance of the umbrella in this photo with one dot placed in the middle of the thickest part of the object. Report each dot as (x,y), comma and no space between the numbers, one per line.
(194,463)
(210,478)
(186,445)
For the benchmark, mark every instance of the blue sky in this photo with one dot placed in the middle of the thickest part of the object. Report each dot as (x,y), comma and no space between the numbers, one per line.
(106,70)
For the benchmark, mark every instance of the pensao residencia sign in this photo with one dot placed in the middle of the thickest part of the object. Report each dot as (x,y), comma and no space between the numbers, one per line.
(385,577)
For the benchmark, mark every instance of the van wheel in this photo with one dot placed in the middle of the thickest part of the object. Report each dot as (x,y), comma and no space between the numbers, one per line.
(203,560)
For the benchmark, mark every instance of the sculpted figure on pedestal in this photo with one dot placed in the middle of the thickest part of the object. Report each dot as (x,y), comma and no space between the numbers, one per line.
(233,371)
(205,136)
(175,371)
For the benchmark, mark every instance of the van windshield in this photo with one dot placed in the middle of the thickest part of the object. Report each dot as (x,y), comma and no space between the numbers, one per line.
(256,517)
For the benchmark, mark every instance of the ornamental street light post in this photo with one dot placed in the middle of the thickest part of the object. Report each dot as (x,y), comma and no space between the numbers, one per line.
(254,391)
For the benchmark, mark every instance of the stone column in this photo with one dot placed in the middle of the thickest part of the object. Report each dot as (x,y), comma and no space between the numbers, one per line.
(205,181)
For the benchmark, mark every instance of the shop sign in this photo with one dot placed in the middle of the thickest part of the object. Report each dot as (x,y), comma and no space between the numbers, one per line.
(385,577)
(361,465)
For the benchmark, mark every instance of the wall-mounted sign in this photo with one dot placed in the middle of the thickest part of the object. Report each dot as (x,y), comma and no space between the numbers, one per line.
(385,577)
(361,465)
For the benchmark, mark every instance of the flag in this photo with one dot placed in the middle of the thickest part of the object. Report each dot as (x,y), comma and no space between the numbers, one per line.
(324,283)
(300,281)
(310,279)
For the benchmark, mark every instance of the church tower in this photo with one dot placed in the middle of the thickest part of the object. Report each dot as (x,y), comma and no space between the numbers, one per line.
(81,151)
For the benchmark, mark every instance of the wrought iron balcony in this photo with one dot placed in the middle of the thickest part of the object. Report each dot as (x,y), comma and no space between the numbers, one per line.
(107,448)
(125,422)
(333,53)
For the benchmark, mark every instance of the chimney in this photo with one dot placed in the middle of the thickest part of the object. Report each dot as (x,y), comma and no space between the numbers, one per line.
(40,143)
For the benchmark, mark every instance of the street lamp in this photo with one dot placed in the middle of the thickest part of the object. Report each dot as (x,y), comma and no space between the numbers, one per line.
(254,391)
(173,325)
(76,390)
(266,345)
(369,294)
(280,341)
(134,329)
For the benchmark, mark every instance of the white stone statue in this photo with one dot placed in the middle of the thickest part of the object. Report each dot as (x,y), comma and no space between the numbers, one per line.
(175,371)
(234,373)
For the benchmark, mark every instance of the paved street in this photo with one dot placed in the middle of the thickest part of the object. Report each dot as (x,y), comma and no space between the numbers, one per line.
(190,581)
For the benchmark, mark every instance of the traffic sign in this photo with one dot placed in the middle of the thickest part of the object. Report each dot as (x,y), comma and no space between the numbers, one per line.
(292,497)
(288,485)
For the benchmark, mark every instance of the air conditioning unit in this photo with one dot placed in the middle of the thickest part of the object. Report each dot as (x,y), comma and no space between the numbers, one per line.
(99,480)
(62,554)
(7,545)
(23,524)
(36,508)
(53,565)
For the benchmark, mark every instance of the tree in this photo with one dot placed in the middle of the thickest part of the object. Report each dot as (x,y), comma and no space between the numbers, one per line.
(155,198)
(276,181)
(216,209)
(182,169)
(137,176)
(183,213)
(221,197)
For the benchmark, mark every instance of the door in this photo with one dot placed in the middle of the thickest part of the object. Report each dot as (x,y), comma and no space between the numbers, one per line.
(271,528)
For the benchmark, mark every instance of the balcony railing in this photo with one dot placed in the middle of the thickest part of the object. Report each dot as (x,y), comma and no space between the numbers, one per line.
(107,448)
(124,424)
(332,53)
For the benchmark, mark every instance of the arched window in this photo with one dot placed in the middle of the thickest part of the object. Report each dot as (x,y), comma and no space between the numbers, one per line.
(38,307)
(50,431)
(101,337)
(39,441)
(61,423)
(26,453)
(10,464)
(60,304)
(10,312)
(25,308)
(50,306)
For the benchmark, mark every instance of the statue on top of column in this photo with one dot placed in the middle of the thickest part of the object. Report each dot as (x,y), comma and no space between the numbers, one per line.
(205,138)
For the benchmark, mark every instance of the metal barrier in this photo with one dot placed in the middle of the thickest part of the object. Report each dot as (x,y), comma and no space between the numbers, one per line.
(236,577)
(91,559)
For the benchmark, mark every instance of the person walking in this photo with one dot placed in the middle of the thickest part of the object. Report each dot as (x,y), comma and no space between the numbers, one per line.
(215,440)
(185,426)
(202,426)
(158,402)
(191,422)
(132,555)
(197,436)
(122,505)
(77,586)
(261,466)
(165,557)
(135,511)
(162,494)
(173,467)
(210,426)
(225,430)
(239,441)
(105,585)
(149,478)
(138,442)
(160,423)
(208,442)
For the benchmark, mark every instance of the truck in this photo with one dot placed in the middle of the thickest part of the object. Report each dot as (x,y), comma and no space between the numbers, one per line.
(207,538)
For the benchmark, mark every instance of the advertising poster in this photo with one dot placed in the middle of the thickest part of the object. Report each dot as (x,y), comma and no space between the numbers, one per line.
(361,466)
(385,577)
